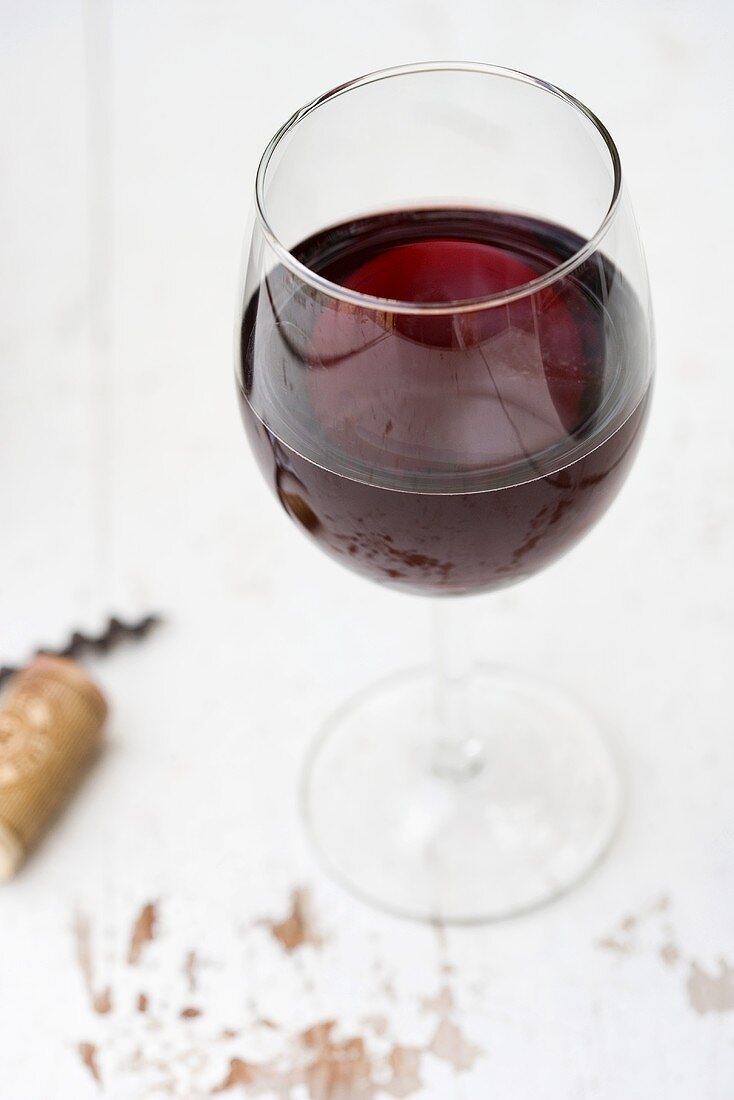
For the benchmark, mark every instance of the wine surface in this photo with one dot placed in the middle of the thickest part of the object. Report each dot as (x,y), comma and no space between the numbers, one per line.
(444,447)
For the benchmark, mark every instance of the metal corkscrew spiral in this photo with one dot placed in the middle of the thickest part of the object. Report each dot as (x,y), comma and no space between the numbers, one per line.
(79,642)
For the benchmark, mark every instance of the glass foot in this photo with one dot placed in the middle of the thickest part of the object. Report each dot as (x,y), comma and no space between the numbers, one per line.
(535,812)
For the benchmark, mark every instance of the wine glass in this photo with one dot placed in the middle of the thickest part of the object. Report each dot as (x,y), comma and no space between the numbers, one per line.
(444,371)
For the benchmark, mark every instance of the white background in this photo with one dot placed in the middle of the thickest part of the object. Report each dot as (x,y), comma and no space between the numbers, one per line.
(129,136)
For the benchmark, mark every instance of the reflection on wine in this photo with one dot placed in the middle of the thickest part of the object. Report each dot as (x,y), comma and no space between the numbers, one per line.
(446,450)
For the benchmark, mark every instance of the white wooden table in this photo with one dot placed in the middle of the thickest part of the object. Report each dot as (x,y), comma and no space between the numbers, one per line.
(129,137)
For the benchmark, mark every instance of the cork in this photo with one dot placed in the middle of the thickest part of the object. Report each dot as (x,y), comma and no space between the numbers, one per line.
(51,719)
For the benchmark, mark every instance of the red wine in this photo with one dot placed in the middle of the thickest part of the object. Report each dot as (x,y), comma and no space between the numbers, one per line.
(443,447)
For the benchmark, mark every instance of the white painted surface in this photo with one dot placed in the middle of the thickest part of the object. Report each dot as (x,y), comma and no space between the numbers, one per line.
(126,485)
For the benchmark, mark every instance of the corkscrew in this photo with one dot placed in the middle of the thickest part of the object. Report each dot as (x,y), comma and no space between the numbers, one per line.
(79,642)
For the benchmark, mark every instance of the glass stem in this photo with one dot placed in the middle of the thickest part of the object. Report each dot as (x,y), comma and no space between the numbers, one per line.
(458,754)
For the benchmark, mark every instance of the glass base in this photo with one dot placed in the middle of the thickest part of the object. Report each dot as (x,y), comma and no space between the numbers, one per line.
(535,812)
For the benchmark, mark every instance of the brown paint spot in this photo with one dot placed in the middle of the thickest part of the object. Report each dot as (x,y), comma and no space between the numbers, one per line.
(318,1035)
(450,1045)
(135,1061)
(378,1024)
(623,940)
(142,1002)
(263,1021)
(190,969)
(611,943)
(342,1071)
(443,1003)
(240,1073)
(229,1033)
(88,1055)
(190,1013)
(405,1064)
(670,954)
(101,1001)
(446,967)
(326,1068)
(144,932)
(297,929)
(711,992)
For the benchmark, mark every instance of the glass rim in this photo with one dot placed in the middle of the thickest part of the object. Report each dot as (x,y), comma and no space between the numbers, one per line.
(394,305)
